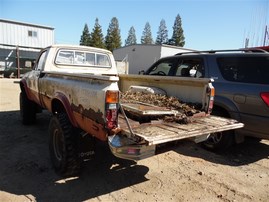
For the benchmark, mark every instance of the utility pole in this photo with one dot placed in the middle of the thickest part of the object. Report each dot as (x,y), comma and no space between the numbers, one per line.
(18,60)
(265,35)
(246,42)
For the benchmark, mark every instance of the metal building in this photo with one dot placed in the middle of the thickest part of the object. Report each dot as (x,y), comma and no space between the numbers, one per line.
(142,56)
(20,44)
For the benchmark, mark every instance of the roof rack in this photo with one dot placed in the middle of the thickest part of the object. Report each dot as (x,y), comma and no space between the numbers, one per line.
(256,50)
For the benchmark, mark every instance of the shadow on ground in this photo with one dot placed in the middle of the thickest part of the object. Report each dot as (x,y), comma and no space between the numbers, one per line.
(245,153)
(26,168)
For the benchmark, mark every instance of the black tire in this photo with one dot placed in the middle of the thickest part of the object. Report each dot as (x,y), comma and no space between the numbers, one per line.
(63,146)
(219,141)
(27,110)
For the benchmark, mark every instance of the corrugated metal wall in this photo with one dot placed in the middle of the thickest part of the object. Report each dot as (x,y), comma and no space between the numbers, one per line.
(139,56)
(23,34)
(168,50)
(24,38)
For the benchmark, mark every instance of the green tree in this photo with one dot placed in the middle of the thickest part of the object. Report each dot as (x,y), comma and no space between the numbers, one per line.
(162,34)
(131,39)
(178,38)
(146,35)
(97,39)
(85,37)
(113,38)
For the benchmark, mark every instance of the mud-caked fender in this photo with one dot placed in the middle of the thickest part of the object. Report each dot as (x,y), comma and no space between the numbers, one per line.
(60,104)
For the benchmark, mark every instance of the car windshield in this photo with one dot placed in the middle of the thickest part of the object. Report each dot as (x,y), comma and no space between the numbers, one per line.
(82,58)
(245,69)
(161,68)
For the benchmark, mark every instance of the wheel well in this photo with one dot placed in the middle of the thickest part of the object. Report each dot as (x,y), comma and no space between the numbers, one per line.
(217,110)
(57,106)
(62,106)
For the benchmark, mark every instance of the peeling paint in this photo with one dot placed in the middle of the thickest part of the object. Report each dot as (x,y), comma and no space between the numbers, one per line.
(90,126)
(89,113)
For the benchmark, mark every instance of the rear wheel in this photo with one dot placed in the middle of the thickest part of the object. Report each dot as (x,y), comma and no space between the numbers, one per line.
(27,110)
(63,146)
(221,140)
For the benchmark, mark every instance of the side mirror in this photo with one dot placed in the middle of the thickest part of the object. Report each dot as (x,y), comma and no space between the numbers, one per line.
(141,72)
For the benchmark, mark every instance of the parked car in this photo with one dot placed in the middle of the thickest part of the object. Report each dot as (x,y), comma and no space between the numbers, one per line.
(26,65)
(12,72)
(2,68)
(241,81)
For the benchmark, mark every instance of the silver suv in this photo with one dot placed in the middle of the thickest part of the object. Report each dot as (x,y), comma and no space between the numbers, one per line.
(241,80)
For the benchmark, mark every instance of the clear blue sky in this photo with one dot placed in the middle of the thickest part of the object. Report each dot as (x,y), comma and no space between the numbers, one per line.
(207,24)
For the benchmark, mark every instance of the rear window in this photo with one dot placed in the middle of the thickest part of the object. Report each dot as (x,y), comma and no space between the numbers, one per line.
(245,69)
(82,58)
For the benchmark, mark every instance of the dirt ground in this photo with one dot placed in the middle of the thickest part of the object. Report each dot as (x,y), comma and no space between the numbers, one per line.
(180,172)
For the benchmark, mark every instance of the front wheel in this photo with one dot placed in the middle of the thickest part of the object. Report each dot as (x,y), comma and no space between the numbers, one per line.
(27,110)
(63,146)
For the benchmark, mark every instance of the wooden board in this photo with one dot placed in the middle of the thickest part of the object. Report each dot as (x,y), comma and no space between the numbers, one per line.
(160,132)
(147,109)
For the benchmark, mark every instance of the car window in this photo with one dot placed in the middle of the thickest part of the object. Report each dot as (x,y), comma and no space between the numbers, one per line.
(245,69)
(102,60)
(41,61)
(82,58)
(190,68)
(161,68)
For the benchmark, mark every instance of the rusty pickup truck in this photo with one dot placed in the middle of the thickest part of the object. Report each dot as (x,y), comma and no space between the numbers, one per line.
(82,90)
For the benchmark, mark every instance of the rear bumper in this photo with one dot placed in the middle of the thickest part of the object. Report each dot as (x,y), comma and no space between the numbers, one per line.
(142,143)
(125,148)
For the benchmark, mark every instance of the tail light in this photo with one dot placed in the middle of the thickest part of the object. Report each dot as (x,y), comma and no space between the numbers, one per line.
(265,98)
(210,94)
(112,100)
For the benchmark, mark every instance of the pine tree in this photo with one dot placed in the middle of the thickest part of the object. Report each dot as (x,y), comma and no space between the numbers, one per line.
(131,39)
(85,37)
(97,39)
(162,34)
(146,35)
(178,38)
(113,38)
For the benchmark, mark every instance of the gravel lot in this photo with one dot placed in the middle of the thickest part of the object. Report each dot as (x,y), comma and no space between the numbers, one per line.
(180,172)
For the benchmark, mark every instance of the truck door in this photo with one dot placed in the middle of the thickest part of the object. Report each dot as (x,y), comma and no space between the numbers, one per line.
(35,75)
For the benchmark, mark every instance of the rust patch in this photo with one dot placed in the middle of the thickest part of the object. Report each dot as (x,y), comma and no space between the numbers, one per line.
(91,127)
(89,113)
(90,121)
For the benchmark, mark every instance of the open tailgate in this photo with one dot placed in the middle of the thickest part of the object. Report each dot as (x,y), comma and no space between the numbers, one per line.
(157,132)
(160,132)
(127,146)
